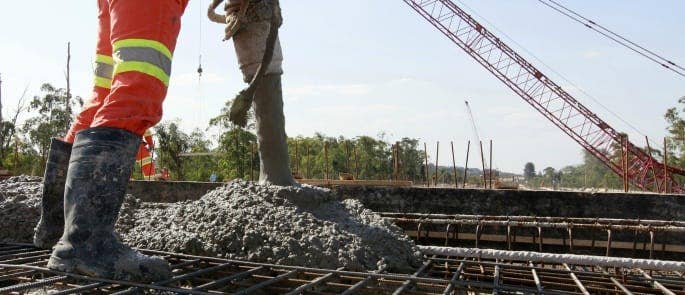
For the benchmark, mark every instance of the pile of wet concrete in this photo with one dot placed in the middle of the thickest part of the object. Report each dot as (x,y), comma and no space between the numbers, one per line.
(303,225)
(19,208)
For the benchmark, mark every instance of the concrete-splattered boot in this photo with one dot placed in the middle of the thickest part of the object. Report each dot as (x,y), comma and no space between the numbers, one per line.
(273,146)
(99,170)
(51,224)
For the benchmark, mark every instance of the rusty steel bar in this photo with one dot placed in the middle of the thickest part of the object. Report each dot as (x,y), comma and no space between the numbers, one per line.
(536,278)
(306,147)
(454,280)
(482,158)
(454,166)
(491,183)
(437,157)
(297,156)
(425,155)
(314,283)
(542,224)
(363,282)
(661,265)
(266,283)
(325,160)
(347,157)
(608,253)
(184,276)
(356,163)
(477,273)
(224,280)
(576,280)
(496,280)
(406,284)
(656,283)
(577,220)
(616,282)
(31,285)
(666,167)
(466,163)
(657,187)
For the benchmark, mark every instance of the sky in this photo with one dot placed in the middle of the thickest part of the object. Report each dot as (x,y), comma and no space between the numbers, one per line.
(375,67)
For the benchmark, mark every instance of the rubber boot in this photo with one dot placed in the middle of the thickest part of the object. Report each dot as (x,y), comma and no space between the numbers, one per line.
(273,146)
(99,170)
(51,223)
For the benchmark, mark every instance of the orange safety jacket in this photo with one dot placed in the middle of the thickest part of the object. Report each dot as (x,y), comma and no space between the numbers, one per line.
(144,156)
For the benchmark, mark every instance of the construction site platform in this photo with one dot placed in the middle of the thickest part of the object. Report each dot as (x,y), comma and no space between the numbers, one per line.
(22,271)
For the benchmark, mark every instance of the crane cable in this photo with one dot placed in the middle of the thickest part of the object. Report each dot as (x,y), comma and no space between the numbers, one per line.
(199,53)
(625,42)
(562,77)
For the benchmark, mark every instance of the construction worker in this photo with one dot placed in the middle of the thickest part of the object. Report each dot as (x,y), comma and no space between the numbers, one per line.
(144,157)
(87,173)
(248,23)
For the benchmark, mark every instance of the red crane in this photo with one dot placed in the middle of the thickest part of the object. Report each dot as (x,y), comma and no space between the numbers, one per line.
(548,98)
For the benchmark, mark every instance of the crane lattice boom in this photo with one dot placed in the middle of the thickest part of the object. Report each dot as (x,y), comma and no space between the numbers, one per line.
(548,98)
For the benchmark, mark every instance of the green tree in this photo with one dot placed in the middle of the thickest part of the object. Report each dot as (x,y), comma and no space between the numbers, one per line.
(548,172)
(53,119)
(412,158)
(676,131)
(172,144)
(238,154)
(201,161)
(529,171)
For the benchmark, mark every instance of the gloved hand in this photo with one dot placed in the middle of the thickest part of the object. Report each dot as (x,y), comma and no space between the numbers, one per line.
(234,18)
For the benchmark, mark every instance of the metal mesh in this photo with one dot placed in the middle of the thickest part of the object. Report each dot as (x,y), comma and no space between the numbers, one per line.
(22,270)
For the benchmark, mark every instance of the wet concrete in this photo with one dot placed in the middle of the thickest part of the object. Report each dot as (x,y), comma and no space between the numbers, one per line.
(19,208)
(242,220)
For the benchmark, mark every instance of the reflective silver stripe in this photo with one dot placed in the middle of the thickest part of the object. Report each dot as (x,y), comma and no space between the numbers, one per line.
(144,54)
(103,70)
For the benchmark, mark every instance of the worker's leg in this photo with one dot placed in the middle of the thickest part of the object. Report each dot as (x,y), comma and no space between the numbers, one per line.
(250,44)
(104,66)
(144,36)
(51,224)
(273,147)
(143,39)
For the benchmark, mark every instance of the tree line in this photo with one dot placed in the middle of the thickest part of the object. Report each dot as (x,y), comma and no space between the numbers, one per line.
(194,156)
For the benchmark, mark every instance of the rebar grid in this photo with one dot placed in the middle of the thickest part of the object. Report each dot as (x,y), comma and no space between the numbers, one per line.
(22,270)
(643,237)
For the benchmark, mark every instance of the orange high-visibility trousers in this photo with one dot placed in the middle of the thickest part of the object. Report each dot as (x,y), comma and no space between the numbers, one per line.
(135,48)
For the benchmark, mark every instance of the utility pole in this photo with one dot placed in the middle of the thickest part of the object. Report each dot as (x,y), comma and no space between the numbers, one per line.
(68,77)
(1,100)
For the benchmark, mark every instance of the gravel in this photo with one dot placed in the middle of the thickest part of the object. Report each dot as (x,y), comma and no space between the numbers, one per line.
(303,226)
(19,208)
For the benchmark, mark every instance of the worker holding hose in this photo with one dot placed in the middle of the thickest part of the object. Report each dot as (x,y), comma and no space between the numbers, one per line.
(253,25)
(87,172)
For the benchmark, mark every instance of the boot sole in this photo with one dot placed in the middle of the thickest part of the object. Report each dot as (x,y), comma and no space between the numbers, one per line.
(65,265)
(72,265)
